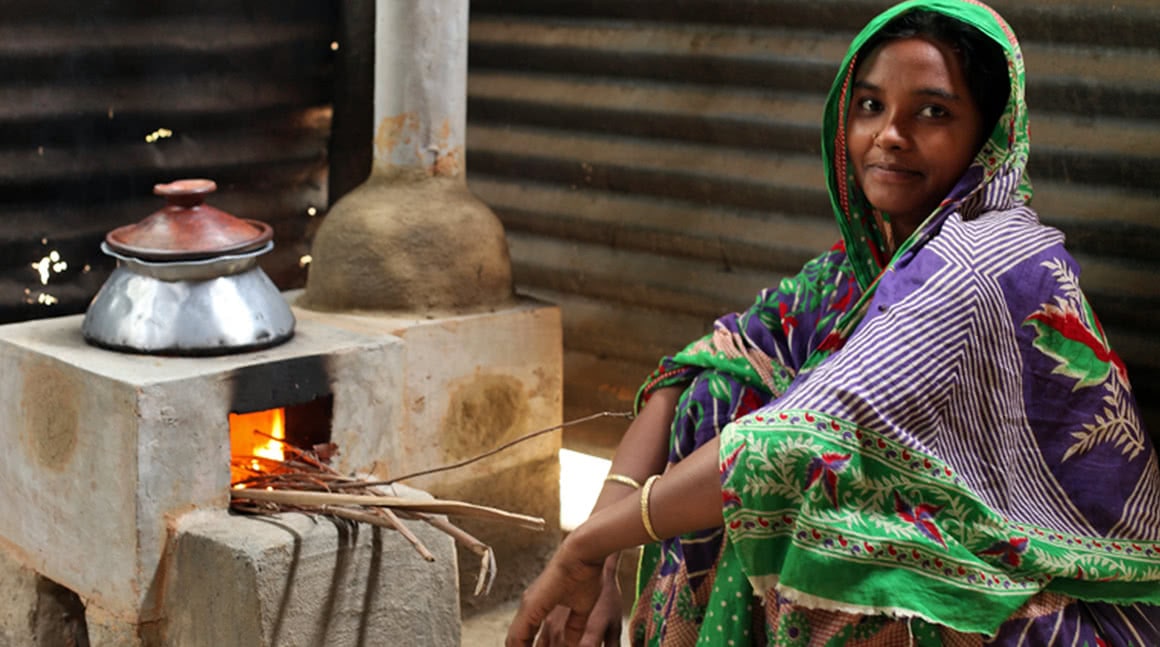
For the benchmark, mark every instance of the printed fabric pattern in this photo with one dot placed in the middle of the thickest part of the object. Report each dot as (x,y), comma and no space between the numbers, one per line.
(942,437)
(746,361)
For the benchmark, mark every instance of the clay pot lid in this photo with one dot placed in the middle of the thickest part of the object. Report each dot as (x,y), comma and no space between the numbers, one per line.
(187,228)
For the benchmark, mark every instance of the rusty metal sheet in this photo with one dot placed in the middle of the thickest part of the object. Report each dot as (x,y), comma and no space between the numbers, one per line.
(652,160)
(100,102)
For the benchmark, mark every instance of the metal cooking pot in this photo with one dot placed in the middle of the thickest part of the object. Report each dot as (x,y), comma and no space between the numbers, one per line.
(187,282)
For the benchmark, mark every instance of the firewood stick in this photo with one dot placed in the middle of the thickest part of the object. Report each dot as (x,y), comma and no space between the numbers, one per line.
(436,506)
(305,456)
(301,480)
(487,567)
(318,483)
(462,536)
(403,530)
(385,520)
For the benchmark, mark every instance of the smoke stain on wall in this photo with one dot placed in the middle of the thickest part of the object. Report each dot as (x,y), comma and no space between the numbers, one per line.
(49,413)
(483,412)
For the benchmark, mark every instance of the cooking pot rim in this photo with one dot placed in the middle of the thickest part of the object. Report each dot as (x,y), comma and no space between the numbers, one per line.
(199,262)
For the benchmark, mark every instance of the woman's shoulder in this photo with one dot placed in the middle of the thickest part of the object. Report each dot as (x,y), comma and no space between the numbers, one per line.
(1017,223)
(998,243)
(1023,261)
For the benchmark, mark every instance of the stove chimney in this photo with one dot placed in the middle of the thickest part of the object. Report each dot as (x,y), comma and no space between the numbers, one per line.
(412,237)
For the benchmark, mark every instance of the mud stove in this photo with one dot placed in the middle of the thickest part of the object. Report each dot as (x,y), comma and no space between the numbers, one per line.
(115,476)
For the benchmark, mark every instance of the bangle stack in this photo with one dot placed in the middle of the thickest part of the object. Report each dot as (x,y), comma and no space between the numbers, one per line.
(645,518)
(623,480)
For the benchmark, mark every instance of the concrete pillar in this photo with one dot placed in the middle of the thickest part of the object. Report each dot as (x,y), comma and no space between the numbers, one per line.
(412,237)
(413,242)
(421,85)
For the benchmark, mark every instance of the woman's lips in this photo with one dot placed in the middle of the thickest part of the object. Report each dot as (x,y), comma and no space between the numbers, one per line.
(892,173)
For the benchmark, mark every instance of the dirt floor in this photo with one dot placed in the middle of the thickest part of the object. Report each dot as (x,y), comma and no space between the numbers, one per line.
(489,629)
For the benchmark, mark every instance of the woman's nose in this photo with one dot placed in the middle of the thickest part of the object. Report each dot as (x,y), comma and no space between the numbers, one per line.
(892,135)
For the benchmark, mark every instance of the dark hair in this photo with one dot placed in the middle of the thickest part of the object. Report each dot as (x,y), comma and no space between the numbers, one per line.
(983,62)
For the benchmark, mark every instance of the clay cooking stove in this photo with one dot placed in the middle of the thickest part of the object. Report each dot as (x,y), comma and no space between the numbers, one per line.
(117,473)
(118,468)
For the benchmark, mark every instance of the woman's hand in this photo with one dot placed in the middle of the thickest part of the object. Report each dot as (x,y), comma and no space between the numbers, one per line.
(687,498)
(604,623)
(566,581)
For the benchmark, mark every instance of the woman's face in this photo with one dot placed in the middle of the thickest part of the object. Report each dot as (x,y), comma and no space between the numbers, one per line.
(913,129)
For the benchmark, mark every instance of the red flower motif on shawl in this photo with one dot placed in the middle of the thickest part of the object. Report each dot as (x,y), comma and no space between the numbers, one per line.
(1069,332)
(832,342)
(843,302)
(730,499)
(921,515)
(1082,351)
(824,469)
(730,461)
(788,321)
(1008,551)
(750,401)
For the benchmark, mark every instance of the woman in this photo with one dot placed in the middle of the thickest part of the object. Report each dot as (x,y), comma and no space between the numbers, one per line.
(924,437)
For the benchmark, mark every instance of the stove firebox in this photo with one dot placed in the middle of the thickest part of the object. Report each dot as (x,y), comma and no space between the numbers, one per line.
(108,451)
(116,473)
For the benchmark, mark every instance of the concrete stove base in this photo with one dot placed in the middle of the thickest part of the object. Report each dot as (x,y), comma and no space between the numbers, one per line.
(298,581)
(110,457)
(288,580)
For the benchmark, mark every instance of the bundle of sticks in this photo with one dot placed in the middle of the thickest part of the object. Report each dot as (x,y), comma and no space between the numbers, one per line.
(304,482)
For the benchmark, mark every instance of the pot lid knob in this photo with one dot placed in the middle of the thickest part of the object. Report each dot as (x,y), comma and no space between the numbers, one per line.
(187,228)
(185,193)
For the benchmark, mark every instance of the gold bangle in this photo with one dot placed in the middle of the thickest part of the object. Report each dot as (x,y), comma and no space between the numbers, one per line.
(644,515)
(623,480)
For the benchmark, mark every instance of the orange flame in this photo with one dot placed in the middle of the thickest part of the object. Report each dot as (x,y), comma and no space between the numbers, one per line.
(255,436)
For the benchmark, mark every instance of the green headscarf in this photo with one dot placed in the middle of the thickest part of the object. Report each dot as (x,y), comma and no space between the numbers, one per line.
(1003,156)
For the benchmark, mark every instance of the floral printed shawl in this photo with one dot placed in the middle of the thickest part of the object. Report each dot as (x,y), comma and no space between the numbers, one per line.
(940,435)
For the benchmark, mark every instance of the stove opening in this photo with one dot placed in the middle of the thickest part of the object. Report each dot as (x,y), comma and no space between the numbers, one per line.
(262,442)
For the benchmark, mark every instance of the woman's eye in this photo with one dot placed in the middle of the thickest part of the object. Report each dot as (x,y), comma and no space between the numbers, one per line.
(868,105)
(933,112)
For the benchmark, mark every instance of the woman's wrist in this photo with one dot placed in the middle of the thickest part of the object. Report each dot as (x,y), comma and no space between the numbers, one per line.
(612,568)
(582,545)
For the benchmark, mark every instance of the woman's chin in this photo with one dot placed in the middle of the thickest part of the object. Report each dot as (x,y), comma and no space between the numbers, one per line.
(900,211)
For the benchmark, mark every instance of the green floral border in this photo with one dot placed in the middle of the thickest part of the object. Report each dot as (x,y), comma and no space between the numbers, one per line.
(853,546)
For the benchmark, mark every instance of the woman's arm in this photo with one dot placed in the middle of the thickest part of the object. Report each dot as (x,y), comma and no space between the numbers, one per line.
(642,452)
(644,448)
(686,498)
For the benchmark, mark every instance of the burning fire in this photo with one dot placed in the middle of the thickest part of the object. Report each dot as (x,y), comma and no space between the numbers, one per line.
(256,441)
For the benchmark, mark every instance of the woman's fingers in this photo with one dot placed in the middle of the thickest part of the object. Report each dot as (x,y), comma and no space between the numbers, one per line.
(574,628)
(602,628)
(601,635)
(552,632)
(527,622)
(604,621)
(575,585)
(545,593)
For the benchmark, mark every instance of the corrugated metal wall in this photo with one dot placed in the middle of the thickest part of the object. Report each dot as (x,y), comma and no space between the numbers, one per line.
(656,163)
(100,100)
